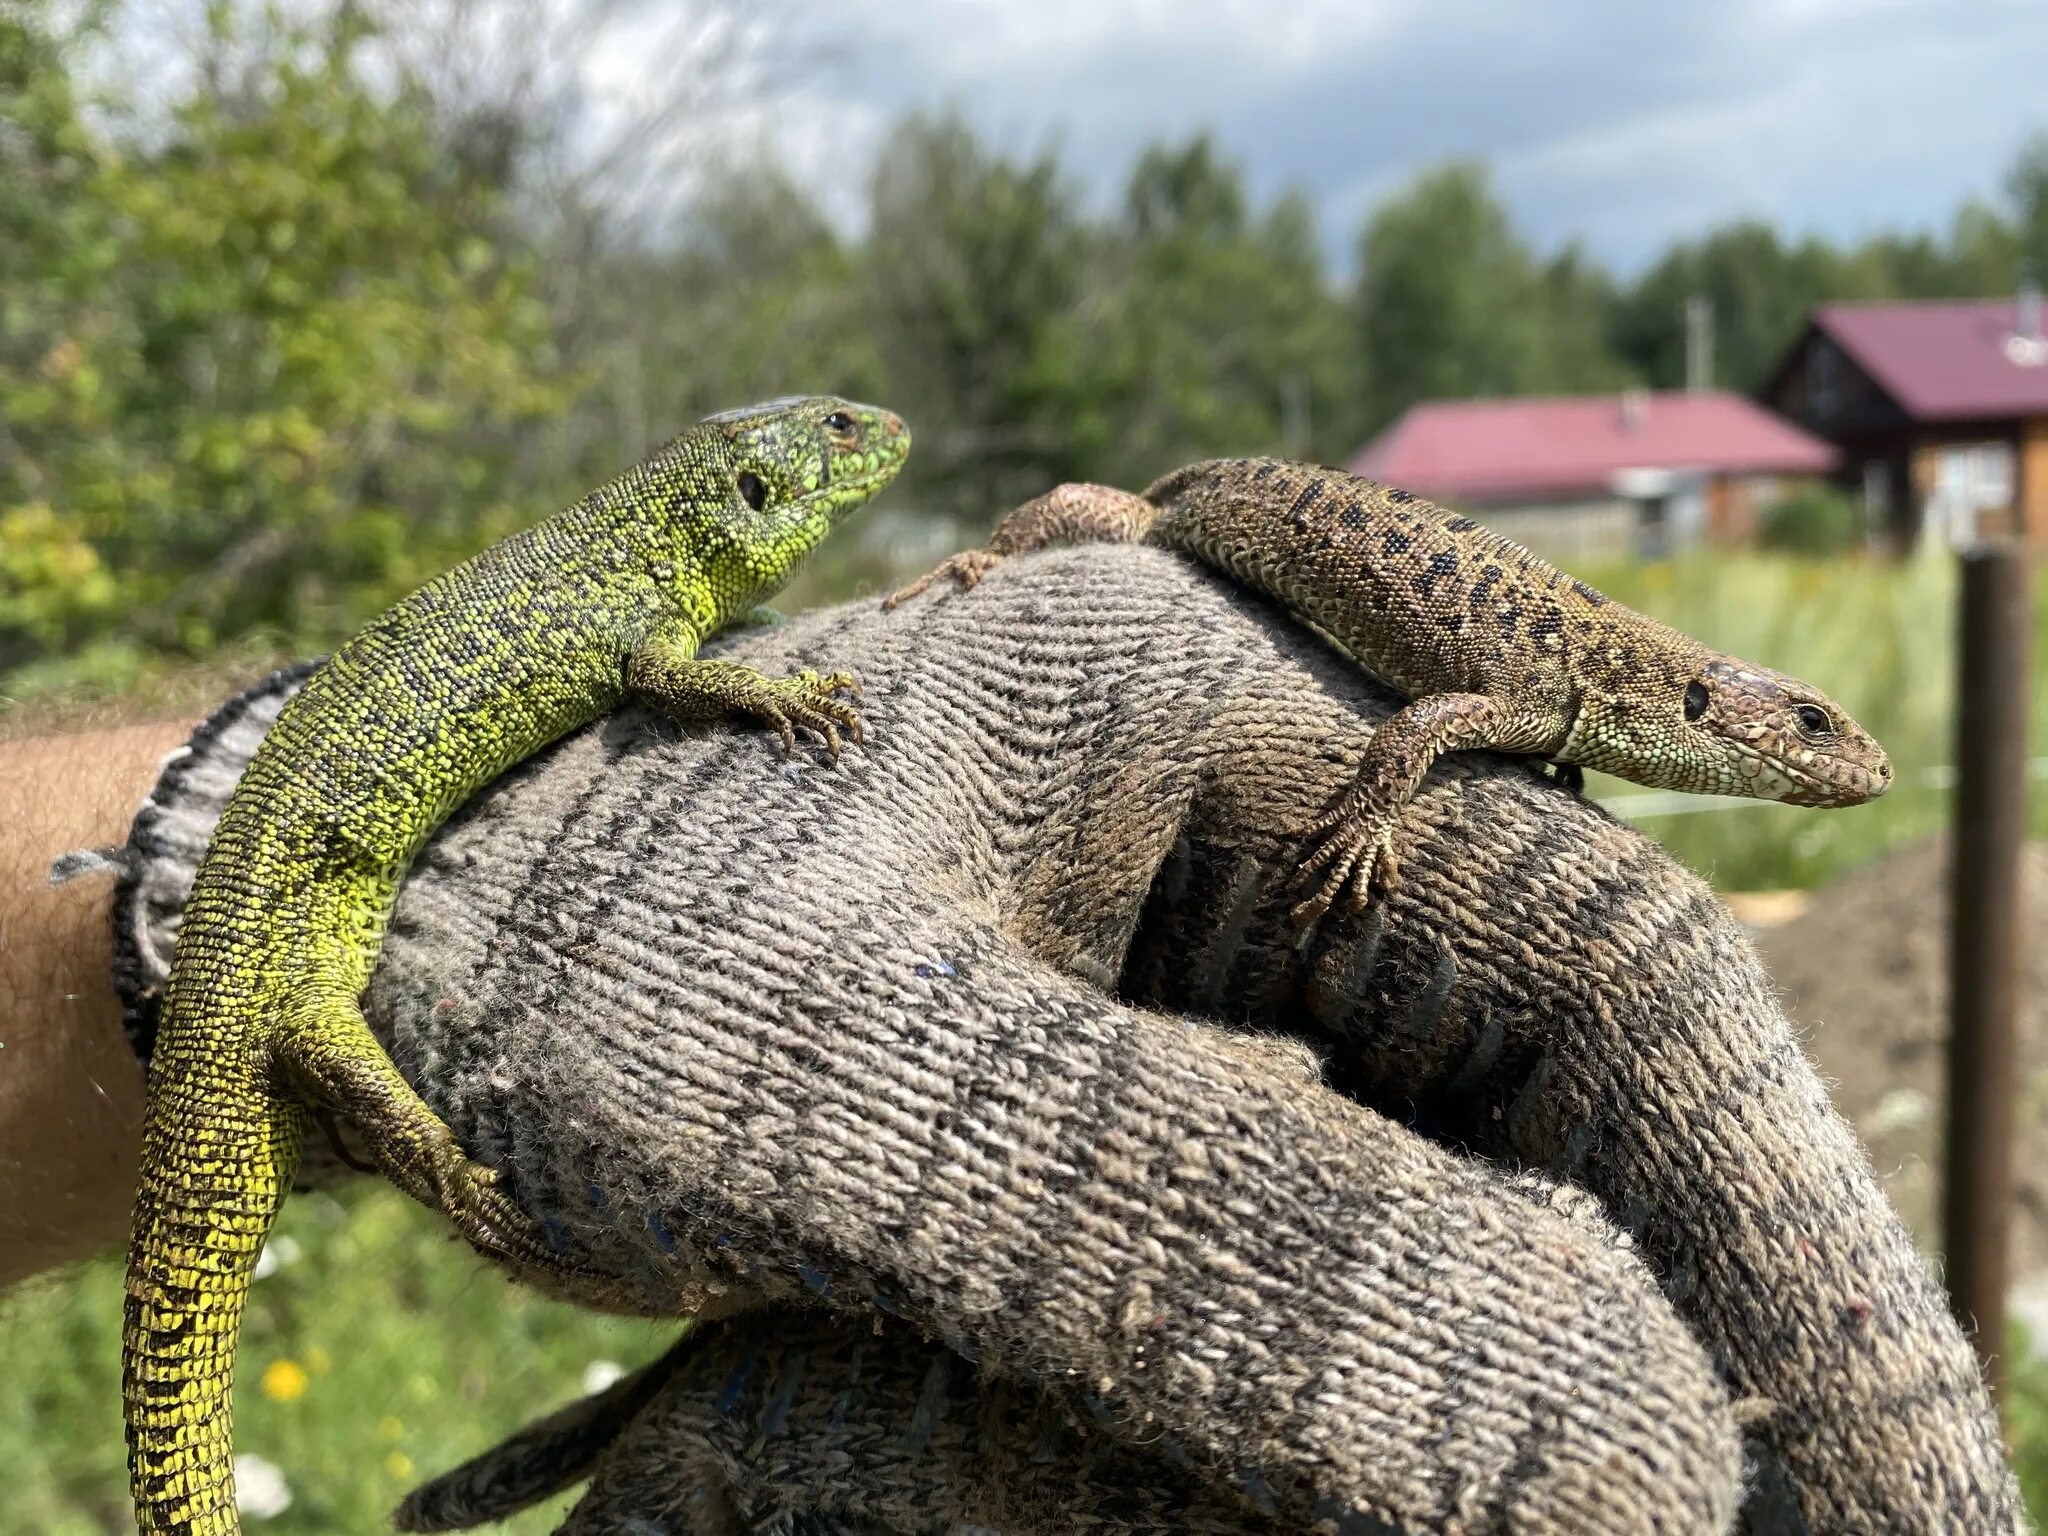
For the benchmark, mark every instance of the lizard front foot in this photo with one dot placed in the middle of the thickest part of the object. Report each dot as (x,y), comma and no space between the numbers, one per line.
(689,690)
(808,701)
(965,570)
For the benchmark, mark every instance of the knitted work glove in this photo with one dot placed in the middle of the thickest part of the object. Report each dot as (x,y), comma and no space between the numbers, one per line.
(916,1036)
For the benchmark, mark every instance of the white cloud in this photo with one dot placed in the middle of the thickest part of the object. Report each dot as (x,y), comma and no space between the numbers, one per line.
(1626,124)
(1629,125)
(1851,121)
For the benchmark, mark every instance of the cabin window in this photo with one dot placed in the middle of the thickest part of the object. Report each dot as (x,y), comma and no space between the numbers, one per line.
(1978,475)
(1970,480)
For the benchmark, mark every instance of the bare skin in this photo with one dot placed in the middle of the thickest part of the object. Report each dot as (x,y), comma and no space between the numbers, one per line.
(70,1088)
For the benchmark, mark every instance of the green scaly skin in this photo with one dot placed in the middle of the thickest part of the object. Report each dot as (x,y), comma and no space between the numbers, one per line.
(1497,648)
(261,1029)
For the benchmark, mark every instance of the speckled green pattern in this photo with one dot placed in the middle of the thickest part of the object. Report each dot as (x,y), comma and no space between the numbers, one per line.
(1498,648)
(261,1028)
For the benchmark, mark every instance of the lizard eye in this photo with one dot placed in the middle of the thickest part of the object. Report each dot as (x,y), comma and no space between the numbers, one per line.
(753,489)
(839,421)
(1695,700)
(1813,721)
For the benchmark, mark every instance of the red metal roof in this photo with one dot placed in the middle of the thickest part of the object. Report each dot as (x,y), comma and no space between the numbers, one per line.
(1942,361)
(1483,450)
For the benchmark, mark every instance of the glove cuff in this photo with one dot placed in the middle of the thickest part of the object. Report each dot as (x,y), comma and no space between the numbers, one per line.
(155,867)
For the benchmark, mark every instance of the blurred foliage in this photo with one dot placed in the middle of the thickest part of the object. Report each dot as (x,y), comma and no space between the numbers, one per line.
(974,274)
(2026,1412)
(1452,303)
(378,1353)
(1817,519)
(259,373)
(1223,320)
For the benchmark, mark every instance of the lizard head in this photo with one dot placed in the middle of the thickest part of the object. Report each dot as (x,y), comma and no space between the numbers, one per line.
(804,463)
(781,476)
(1720,726)
(1780,738)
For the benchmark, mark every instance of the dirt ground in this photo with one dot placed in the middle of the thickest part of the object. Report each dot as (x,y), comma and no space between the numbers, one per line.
(1863,966)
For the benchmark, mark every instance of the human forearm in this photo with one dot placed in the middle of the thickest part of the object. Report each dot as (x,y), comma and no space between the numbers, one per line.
(70,1091)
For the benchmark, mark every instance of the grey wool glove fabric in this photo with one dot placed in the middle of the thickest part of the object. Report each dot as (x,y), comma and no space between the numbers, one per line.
(1563,1237)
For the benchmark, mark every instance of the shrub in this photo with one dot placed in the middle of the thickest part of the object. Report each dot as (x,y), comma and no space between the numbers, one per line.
(1811,520)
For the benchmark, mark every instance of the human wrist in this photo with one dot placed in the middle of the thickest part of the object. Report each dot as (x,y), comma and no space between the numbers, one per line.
(70,1089)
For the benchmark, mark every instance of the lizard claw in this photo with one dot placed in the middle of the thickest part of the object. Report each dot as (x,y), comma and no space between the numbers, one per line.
(473,1197)
(810,701)
(1353,854)
(473,1194)
(965,569)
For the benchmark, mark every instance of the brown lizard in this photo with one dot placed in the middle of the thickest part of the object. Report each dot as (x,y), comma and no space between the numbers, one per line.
(1495,647)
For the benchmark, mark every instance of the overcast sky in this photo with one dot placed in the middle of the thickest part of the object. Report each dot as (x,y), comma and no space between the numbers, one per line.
(1624,122)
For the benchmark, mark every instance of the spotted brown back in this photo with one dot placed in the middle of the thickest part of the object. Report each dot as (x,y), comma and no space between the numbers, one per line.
(1425,599)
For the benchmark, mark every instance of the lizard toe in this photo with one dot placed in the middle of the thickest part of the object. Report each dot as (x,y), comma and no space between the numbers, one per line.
(1322,851)
(1303,913)
(964,570)
(1353,859)
(810,701)
(486,1216)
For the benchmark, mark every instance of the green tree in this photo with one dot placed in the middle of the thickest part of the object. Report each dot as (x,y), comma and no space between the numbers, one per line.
(1452,303)
(277,363)
(1761,288)
(57,248)
(1983,250)
(1578,304)
(757,298)
(2026,188)
(975,277)
(1218,326)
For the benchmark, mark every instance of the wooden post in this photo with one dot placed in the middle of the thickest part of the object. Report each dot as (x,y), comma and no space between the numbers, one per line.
(1984,938)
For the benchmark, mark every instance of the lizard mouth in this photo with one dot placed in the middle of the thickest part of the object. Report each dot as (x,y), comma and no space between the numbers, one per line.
(836,489)
(1821,781)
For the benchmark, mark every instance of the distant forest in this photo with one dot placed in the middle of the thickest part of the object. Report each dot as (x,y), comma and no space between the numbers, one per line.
(338,303)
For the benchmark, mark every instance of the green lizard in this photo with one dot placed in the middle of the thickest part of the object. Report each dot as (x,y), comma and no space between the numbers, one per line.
(261,1027)
(1495,648)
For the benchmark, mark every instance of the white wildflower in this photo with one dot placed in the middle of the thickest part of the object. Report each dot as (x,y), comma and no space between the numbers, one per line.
(261,1493)
(278,1253)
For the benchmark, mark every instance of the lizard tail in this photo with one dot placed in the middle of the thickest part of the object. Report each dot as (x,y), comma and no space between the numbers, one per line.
(217,1158)
(543,1458)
